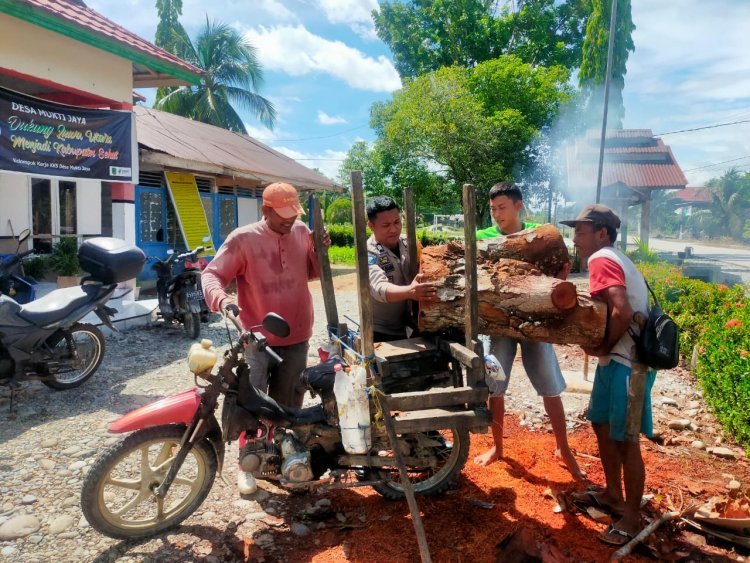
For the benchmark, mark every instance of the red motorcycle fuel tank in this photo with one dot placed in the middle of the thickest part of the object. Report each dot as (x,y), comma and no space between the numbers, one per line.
(170,410)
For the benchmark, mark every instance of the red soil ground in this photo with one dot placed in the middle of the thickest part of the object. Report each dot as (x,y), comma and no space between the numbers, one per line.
(458,530)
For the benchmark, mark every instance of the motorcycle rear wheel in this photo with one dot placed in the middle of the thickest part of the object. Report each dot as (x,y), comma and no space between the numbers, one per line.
(117,498)
(192,324)
(89,343)
(451,454)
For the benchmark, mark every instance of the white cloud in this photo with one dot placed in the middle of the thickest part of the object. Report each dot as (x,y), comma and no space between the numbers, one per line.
(326,119)
(690,69)
(296,51)
(328,162)
(357,14)
(277,10)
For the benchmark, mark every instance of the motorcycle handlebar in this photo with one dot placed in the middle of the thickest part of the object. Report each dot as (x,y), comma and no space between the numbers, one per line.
(267,349)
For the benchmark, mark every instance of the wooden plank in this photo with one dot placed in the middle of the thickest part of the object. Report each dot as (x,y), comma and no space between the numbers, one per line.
(435,419)
(363,276)
(326,278)
(416,519)
(464,355)
(405,349)
(470,260)
(437,397)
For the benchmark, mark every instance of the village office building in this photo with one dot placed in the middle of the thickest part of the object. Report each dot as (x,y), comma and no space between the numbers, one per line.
(72,61)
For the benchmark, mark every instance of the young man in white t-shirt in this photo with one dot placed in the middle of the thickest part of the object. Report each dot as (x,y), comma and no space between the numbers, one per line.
(615,280)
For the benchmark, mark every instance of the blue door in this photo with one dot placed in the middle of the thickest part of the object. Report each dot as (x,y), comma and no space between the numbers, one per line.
(151,220)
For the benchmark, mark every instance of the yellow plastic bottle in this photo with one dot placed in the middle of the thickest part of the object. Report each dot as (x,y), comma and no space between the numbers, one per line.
(202,356)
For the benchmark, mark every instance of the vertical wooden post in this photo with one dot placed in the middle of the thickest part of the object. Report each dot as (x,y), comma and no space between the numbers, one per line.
(636,393)
(646,218)
(411,231)
(411,239)
(470,260)
(363,275)
(326,278)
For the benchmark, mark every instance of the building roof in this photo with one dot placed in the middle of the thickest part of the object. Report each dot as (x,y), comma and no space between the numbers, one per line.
(693,195)
(177,142)
(632,157)
(152,66)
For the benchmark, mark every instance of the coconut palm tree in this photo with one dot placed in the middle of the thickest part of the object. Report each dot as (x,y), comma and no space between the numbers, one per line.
(729,213)
(231,77)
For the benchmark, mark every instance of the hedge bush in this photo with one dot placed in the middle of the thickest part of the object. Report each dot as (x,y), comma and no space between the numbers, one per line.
(715,319)
(343,235)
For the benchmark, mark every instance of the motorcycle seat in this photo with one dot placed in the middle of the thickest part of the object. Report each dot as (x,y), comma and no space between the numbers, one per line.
(260,404)
(58,304)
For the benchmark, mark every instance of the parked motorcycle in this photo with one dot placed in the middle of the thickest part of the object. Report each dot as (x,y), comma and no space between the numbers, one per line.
(154,478)
(13,282)
(44,339)
(181,296)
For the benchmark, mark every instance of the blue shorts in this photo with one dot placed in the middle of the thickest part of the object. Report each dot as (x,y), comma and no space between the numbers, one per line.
(609,399)
(539,361)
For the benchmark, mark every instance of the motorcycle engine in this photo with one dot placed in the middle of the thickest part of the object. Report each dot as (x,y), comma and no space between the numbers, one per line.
(295,467)
(260,456)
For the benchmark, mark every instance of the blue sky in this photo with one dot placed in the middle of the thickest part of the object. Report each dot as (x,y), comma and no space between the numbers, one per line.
(324,67)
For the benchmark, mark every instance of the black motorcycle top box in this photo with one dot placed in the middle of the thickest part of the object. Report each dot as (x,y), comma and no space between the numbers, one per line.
(111,260)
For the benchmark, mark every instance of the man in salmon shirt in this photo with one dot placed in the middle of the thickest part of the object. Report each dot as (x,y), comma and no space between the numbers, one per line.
(272,261)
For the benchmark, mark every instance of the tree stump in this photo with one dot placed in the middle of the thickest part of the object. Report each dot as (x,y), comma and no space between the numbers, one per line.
(516,298)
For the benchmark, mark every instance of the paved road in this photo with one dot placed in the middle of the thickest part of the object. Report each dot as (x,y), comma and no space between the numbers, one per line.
(734,260)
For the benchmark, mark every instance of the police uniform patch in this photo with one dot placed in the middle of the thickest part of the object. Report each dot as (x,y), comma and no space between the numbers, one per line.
(372,259)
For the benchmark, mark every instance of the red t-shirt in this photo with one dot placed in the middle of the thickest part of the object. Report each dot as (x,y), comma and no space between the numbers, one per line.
(604,273)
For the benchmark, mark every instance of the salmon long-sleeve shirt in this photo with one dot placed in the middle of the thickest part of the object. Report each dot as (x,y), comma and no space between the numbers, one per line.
(272,271)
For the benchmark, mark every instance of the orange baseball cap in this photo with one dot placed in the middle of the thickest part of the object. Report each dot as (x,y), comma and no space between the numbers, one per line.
(283,199)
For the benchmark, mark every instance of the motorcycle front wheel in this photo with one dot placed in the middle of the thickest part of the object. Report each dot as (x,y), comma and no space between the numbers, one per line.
(117,496)
(73,370)
(448,449)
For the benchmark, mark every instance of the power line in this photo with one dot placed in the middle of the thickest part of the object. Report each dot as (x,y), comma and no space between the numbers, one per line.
(717,163)
(702,128)
(314,138)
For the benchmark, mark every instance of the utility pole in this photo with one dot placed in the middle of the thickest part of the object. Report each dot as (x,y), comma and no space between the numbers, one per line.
(610,49)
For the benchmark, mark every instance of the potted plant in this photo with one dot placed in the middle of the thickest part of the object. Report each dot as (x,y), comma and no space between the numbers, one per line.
(64,261)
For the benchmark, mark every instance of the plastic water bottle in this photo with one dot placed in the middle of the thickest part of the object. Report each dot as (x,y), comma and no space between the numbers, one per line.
(341,388)
(359,406)
(494,375)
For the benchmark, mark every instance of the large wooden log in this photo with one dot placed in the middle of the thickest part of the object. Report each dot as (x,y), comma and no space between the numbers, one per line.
(515,300)
(543,246)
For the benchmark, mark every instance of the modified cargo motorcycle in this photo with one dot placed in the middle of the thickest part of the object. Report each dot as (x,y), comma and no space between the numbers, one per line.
(12,281)
(181,296)
(160,474)
(44,339)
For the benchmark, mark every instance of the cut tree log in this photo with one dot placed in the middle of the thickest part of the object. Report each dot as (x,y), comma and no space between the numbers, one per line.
(542,246)
(515,300)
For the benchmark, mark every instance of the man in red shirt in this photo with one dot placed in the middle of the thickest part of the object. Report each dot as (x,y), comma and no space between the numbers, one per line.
(272,261)
(615,280)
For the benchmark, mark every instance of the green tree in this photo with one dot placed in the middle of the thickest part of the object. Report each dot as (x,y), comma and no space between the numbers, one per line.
(470,125)
(169,30)
(339,212)
(729,213)
(425,35)
(594,64)
(231,76)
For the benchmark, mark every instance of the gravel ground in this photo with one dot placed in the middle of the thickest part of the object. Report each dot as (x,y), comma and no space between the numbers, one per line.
(48,444)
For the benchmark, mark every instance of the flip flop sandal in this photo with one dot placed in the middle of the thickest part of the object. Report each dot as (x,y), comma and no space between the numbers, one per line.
(590,498)
(615,536)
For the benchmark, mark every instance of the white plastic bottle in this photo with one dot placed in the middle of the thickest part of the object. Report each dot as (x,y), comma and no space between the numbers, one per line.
(341,389)
(359,406)
(494,375)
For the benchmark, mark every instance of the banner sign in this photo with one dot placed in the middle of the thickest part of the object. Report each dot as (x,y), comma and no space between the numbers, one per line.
(44,138)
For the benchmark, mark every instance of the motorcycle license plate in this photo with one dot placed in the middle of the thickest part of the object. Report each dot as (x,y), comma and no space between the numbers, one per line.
(194,296)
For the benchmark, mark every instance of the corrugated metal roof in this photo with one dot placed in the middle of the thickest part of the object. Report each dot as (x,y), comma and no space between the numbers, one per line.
(201,147)
(643,162)
(80,15)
